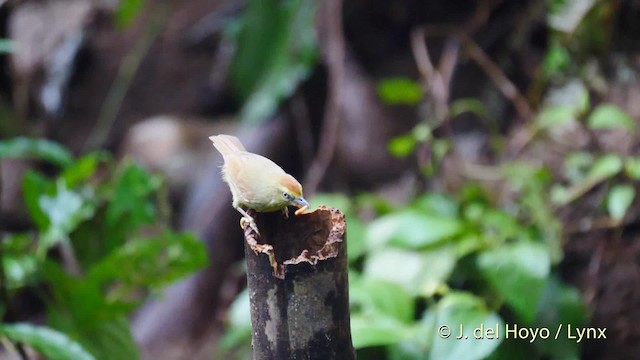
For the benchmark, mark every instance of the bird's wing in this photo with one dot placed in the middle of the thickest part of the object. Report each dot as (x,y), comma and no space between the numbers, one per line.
(249,173)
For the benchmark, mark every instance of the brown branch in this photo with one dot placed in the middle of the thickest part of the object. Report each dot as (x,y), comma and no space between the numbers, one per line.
(335,58)
(497,76)
(303,128)
(297,276)
(126,73)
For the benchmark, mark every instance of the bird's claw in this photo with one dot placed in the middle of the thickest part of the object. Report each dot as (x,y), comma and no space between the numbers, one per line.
(244,221)
(285,212)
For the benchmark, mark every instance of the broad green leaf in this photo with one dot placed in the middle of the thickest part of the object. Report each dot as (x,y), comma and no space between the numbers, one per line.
(554,116)
(576,165)
(609,116)
(422,132)
(411,229)
(402,146)
(421,274)
(569,14)
(377,330)
(605,167)
(561,305)
(276,51)
(336,200)
(557,59)
(110,339)
(470,105)
(356,235)
(127,12)
(19,270)
(602,169)
(437,204)
(239,323)
(481,328)
(399,91)
(632,168)
(382,297)
(26,148)
(518,273)
(6,46)
(619,199)
(152,262)
(80,308)
(34,186)
(82,169)
(64,210)
(131,201)
(50,343)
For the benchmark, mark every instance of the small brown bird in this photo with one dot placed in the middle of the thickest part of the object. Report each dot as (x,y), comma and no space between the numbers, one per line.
(256,182)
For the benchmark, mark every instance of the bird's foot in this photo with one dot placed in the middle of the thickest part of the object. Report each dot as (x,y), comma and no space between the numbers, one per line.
(285,212)
(247,220)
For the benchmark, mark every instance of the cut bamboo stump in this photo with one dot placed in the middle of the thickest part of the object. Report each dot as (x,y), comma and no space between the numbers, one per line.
(298,286)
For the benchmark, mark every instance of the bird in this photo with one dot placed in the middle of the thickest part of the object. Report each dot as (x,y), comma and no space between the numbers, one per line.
(256,182)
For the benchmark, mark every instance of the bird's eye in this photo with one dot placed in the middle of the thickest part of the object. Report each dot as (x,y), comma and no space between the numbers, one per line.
(286,196)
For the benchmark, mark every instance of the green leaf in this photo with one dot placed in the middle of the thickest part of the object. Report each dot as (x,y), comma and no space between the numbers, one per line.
(276,51)
(382,297)
(20,270)
(518,273)
(399,91)
(480,328)
(356,246)
(412,229)
(336,200)
(6,46)
(605,167)
(609,116)
(83,169)
(561,304)
(150,262)
(377,330)
(556,60)
(402,146)
(421,274)
(80,308)
(437,204)
(34,186)
(111,339)
(632,167)
(469,105)
(26,148)
(65,211)
(127,12)
(239,323)
(131,198)
(50,343)
(619,199)
(554,116)
(576,165)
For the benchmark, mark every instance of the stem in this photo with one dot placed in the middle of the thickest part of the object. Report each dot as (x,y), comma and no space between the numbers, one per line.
(126,73)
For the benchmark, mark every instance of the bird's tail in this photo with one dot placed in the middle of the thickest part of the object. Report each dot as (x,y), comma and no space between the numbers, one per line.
(226,144)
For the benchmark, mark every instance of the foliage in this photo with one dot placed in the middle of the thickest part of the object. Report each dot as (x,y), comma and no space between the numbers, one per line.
(276,50)
(466,258)
(6,46)
(127,12)
(108,223)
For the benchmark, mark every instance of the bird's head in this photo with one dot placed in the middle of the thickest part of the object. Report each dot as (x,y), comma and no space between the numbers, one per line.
(291,191)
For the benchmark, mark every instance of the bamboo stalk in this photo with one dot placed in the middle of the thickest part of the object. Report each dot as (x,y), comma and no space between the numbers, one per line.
(298,286)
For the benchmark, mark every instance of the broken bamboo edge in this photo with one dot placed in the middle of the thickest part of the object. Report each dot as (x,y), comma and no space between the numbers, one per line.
(297,274)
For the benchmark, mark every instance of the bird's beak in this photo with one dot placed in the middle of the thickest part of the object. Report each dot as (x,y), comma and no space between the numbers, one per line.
(300,202)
